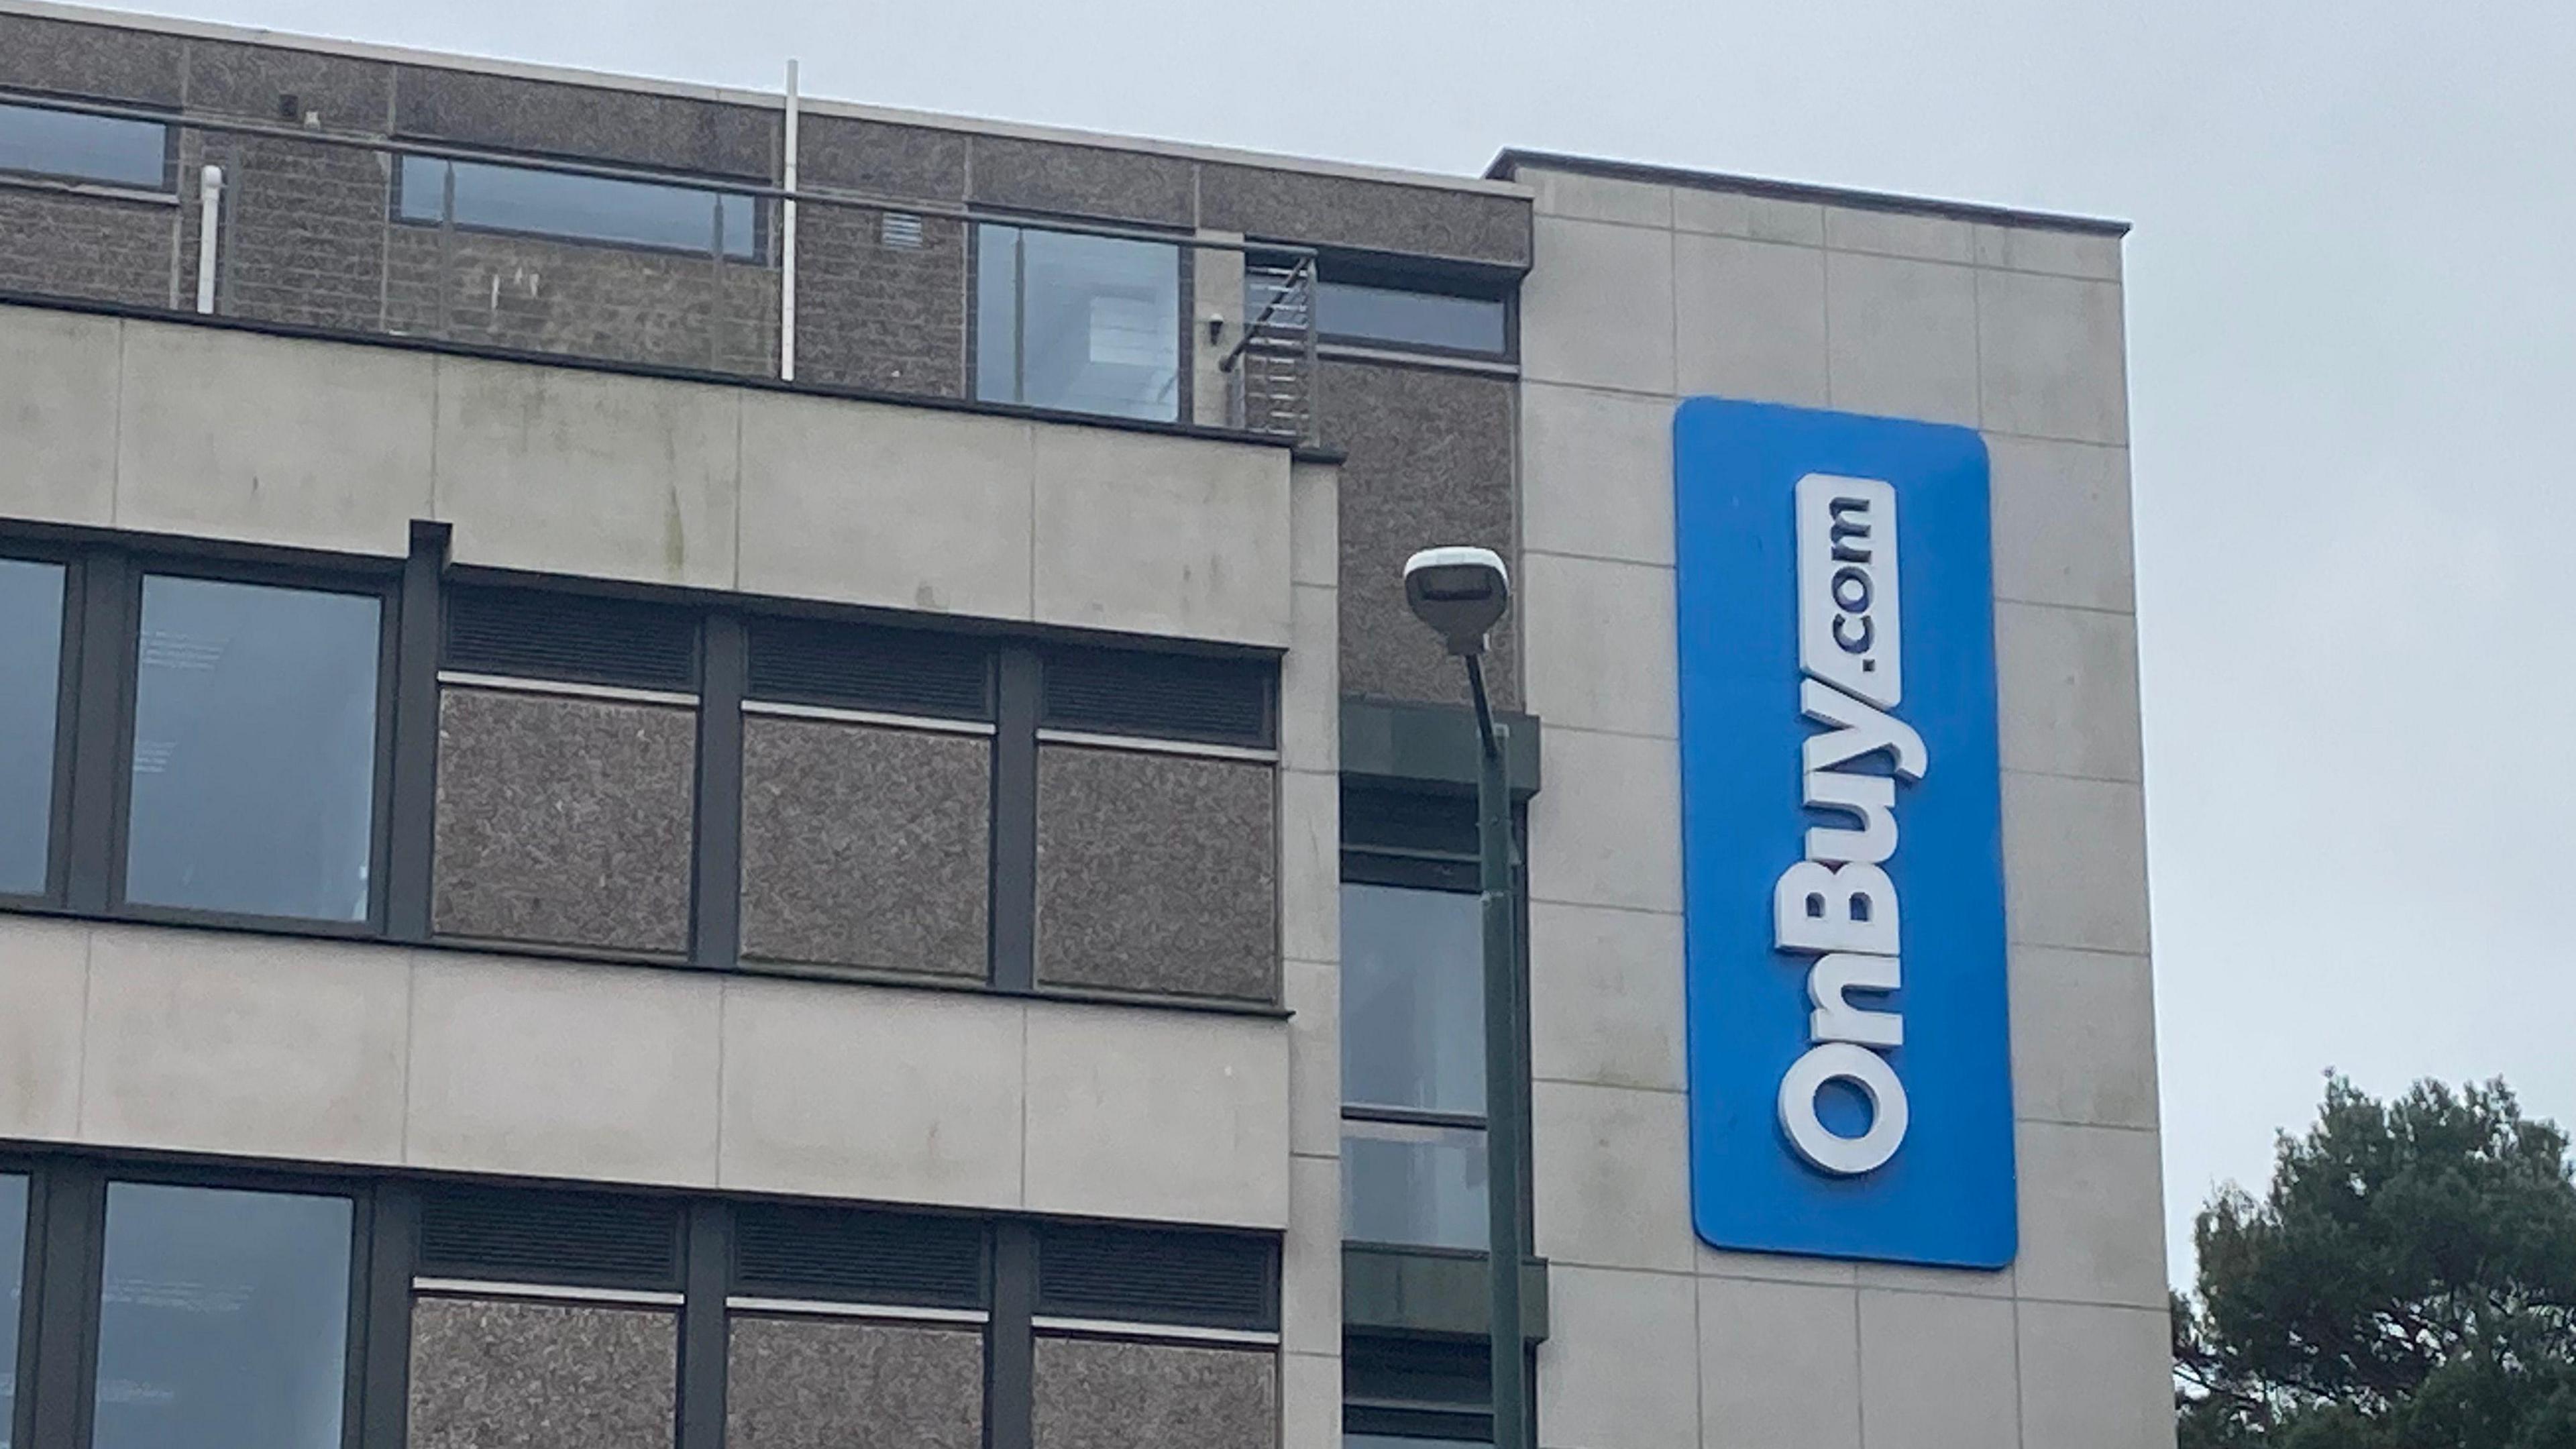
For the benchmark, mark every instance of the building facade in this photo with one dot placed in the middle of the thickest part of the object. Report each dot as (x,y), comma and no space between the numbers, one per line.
(686,768)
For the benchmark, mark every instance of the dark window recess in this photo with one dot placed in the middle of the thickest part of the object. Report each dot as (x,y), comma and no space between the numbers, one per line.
(858,1257)
(70,146)
(1158,1275)
(575,1238)
(1406,1391)
(482,196)
(1217,701)
(807,661)
(579,638)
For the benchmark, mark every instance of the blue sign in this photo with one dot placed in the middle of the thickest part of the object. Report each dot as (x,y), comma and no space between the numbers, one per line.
(1850,1058)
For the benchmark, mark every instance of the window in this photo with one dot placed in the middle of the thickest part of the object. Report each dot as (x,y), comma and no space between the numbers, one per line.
(31,645)
(254,750)
(1414,1393)
(13,1262)
(1086,324)
(1434,320)
(1413,1066)
(74,147)
(223,1319)
(483,196)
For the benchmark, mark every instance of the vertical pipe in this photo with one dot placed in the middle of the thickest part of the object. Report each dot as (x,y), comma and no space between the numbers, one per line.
(210,210)
(787,244)
(1505,1231)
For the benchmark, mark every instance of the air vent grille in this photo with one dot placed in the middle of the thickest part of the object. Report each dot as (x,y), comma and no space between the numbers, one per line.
(540,634)
(806,661)
(1215,701)
(899,231)
(581,1239)
(858,1257)
(1137,1275)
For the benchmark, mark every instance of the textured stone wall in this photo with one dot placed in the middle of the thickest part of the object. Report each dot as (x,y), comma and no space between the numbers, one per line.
(99,250)
(487,1374)
(838,1384)
(1097,1394)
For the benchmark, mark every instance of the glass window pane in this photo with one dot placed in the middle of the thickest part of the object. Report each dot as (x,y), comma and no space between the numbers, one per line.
(31,660)
(1095,326)
(254,750)
(1420,319)
(1419,1186)
(420,192)
(598,208)
(84,148)
(223,1319)
(1413,999)
(13,1264)
(1406,1441)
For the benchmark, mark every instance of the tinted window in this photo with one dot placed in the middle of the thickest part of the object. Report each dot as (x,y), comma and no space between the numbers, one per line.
(13,1263)
(1413,1184)
(592,208)
(1401,1441)
(1410,319)
(1413,999)
(254,750)
(1084,323)
(31,644)
(84,148)
(223,1319)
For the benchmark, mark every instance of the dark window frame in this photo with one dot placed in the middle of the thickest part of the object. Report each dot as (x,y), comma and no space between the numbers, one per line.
(66,721)
(1412,274)
(169,184)
(762,252)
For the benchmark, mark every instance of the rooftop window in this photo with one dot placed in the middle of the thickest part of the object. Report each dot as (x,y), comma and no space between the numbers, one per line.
(69,146)
(1086,324)
(486,196)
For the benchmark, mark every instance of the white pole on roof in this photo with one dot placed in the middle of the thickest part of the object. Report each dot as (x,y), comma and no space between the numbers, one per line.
(787,245)
(210,211)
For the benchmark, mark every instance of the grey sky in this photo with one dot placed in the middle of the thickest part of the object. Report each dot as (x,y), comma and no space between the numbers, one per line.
(2351,324)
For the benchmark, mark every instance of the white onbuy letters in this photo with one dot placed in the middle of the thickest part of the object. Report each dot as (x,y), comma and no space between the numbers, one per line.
(1838,904)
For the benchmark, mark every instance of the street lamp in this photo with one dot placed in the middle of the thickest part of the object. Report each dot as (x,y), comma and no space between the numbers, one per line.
(1462,593)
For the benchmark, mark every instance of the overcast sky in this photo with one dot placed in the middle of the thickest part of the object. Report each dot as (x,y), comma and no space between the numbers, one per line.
(2352,323)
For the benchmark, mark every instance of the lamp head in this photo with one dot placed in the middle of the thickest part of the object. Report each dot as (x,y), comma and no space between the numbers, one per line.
(1460,592)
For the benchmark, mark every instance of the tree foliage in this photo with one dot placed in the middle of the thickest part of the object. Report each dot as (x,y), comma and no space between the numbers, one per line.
(2408,1282)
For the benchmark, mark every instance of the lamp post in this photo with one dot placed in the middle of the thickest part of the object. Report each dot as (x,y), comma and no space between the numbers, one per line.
(1462,593)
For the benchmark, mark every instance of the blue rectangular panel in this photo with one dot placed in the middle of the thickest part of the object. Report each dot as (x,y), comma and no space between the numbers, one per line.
(1850,1063)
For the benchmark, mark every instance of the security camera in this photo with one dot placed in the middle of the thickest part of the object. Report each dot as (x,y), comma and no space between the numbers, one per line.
(1460,592)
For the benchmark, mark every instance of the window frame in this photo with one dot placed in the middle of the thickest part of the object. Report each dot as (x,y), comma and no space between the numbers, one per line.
(762,251)
(1184,351)
(58,831)
(167,187)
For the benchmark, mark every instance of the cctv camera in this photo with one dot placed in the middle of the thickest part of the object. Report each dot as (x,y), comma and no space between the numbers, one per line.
(1459,592)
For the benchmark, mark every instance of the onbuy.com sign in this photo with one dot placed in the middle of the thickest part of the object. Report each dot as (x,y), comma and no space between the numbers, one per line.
(1850,1064)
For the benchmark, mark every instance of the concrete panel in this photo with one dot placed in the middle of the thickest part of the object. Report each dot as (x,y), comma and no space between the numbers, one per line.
(1757,218)
(1310,866)
(1103,1394)
(1216,302)
(865,847)
(677,133)
(339,457)
(2049,249)
(1937,1372)
(829,1384)
(1314,508)
(2092,1215)
(2061,524)
(1779,1365)
(2053,362)
(1621,1348)
(256,80)
(58,381)
(1713,1263)
(2084,1037)
(1310,1409)
(1601,647)
(1310,691)
(1749,320)
(880,158)
(1599,198)
(1606,996)
(1158,1116)
(1598,307)
(1048,177)
(261,1047)
(866,1092)
(588,473)
(1313,999)
(70,58)
(488,1374)
(2066,682)
(2096,1378)
(1611,1179)
(2075,870)
(1369,215)
(1310,1266)
(1607,829)
(1901,338)
(901,507)
(606,1073)
(1161,535)
(44,989)
(1596,474)
(1899,234)
(564,821)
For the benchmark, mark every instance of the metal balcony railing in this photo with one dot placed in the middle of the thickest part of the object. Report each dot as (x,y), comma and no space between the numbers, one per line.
(819,288)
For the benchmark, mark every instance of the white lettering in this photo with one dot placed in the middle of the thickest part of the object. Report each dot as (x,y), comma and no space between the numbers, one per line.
(1847,591)
(1858,730)
(1818,907)
(1870,799)
(1837,1061)
(1829,984)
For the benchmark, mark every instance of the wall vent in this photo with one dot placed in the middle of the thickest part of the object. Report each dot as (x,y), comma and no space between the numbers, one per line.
(808,661)
(842,1256)
(579,638)
(899,231)
(1159,1275)
(579,1239)
(1162,696)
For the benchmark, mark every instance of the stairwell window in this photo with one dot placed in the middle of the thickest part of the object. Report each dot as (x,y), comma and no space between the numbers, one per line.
(1085,324)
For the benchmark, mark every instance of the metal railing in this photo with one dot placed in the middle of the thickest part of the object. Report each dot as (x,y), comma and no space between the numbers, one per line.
(840,291)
